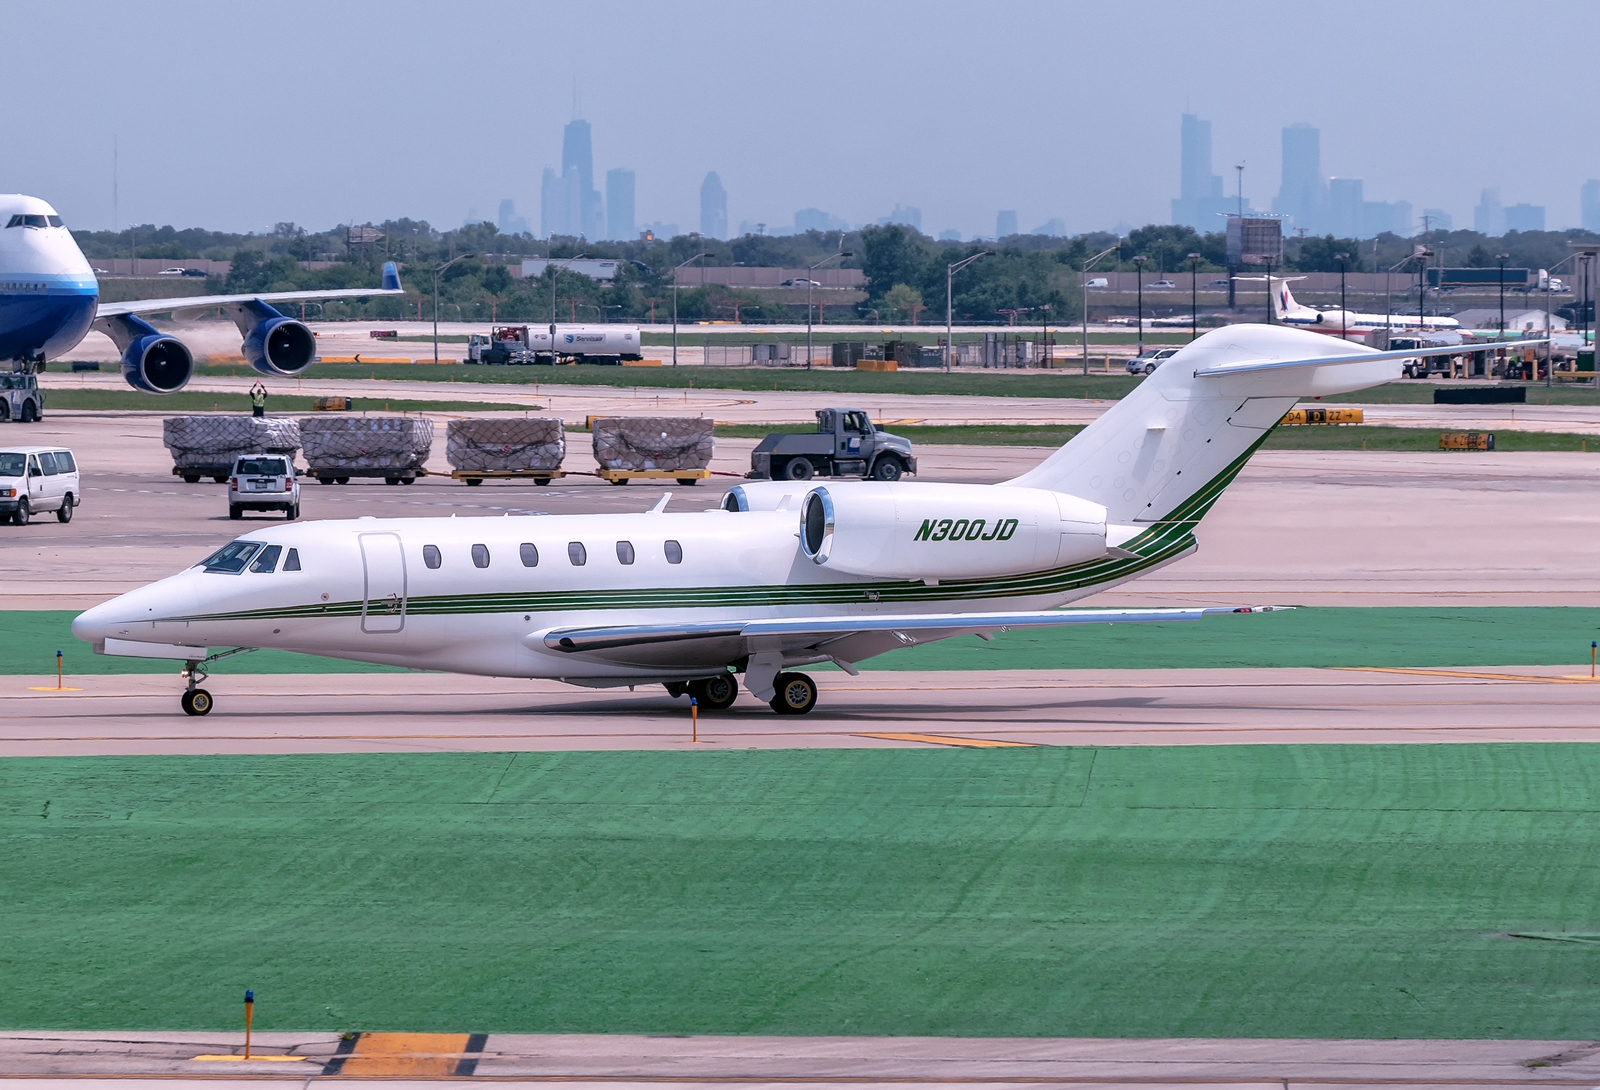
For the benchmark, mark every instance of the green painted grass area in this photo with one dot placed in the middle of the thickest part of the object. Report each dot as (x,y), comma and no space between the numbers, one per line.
(1319,637)
(186,401)
(1302,891)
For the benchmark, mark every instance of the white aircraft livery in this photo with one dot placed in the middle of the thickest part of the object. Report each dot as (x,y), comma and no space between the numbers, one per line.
(1287,310)
(49,300)
(782,574)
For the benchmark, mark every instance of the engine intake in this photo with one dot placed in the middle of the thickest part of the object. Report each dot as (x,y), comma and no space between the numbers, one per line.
(918,531)
(157,364)
(280,346)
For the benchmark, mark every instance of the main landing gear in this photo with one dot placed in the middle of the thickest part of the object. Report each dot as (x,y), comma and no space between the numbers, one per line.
(793,694)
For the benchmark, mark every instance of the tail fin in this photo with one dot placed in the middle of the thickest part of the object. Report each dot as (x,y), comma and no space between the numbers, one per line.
(1166,451)
(391,277)
(1284,304)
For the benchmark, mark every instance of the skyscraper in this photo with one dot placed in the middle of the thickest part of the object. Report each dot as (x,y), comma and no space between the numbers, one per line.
(1302,194)
(1199,191)
(713,207)
(1005,223)
(1589,200)
(1344,207)
(1525,217)
(619,205)
(1489,218)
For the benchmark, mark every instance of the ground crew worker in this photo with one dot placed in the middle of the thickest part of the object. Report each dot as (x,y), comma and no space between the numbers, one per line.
(258,399)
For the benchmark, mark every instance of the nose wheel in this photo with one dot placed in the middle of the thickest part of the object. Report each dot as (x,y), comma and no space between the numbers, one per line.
(195,702)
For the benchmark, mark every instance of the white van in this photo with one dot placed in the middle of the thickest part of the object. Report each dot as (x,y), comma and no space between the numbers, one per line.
(1097,282)
(36,479)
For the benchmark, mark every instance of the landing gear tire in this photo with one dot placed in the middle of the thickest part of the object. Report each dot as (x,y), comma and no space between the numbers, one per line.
(64,512)
(235,511)
(887,469)
(19,517)
(799,469)
(715,694)
(196,702)
(796,694)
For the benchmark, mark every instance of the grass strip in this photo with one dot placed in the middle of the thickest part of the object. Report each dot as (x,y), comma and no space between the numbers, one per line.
(1254,891)
(1318,637)
(198,401)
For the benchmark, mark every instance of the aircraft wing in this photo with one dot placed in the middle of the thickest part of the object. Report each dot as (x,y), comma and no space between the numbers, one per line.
(844,639)
(391,286)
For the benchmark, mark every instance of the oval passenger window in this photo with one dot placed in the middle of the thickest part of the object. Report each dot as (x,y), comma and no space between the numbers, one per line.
(530,555)
(674,552)
(480,556)
(577,554)
(430,555)
(625,552)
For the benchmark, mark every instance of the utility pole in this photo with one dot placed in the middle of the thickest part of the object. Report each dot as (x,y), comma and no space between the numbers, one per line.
(436,273)
(1344,314)
(1138,268)
(1084,278)
(1194,296)
(675,269)
(810,281)
(949,296)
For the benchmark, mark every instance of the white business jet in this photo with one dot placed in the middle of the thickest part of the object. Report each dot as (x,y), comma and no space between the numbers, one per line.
(50,299)
(782,575)
(1289,311)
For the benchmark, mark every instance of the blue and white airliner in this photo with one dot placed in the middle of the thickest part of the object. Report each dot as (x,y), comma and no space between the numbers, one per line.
(49,300)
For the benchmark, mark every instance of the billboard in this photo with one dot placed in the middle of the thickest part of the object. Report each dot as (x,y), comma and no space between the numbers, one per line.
(1255,240)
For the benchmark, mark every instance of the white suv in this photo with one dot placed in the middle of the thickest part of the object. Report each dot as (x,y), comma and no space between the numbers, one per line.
(36,479)
(263,482)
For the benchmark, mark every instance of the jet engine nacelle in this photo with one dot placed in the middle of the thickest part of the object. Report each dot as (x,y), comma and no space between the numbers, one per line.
(952,531)
(280,346)
(157,363)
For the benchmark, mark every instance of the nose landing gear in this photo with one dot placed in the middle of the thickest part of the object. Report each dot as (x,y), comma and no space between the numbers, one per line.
(195,700)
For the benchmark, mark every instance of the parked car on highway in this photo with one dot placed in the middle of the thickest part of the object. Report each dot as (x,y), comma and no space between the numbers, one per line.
(263,482)
(1222,283)
(1097,282)
(1161,284)
(34,479)
(800,282)
(175,271)
(1152,358)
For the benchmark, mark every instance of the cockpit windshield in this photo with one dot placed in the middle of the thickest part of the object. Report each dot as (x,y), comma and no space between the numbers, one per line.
(231,558)
(22,219)
(11,464)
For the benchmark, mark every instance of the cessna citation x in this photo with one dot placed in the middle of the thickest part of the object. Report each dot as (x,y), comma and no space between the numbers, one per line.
(782,574)
(49,300)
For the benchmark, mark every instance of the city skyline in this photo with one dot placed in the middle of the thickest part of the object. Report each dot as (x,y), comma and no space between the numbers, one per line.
(1093,153)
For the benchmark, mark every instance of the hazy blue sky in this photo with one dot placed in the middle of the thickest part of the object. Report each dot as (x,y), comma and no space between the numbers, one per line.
(234,116)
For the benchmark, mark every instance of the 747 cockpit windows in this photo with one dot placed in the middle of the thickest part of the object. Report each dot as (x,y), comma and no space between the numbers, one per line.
(31,220)
(528,553)
(233,557)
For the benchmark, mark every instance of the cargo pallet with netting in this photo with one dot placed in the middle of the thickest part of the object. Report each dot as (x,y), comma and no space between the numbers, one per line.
(208,445)
(537,476)
(688,477)
(670,448)
(340,448)
(527,449)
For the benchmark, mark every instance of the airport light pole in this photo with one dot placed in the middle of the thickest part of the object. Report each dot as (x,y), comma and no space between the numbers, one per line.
(1194,296)
(949,302)
(1138,269)
(1344,313)
(1084,285)
(1500,259)
(554,268)
(436,273)
(675,269)
(811,282)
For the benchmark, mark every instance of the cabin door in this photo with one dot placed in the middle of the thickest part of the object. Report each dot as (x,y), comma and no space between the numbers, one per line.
(383,608)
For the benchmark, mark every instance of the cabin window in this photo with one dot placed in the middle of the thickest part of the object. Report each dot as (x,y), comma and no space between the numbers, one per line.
(625,552)
(65,463)
(529,553)
(47,462)
(293,562)
(267,562)
(231,558)
(430,556)
(577,554)
(674,552)
(480,556)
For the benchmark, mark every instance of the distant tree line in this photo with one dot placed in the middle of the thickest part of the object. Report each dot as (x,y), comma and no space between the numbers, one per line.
(1023,279)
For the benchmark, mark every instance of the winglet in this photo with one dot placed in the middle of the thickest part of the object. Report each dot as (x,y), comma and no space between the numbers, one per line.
(391,277)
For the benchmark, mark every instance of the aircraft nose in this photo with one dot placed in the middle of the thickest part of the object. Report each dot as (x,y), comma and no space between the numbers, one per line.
(92,624)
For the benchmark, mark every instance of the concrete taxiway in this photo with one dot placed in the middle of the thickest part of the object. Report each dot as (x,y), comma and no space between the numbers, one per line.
(422,713)
(1297,527)
(615,1061)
